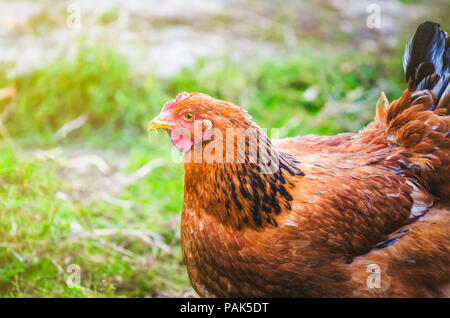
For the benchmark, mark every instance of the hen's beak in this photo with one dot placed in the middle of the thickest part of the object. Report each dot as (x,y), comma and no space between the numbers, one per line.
(159,123)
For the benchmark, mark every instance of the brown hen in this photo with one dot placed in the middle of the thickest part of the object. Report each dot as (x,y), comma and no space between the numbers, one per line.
(353,215)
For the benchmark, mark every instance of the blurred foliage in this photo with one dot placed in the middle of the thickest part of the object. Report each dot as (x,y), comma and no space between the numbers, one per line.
(99,83)
(110,16)
(295,89)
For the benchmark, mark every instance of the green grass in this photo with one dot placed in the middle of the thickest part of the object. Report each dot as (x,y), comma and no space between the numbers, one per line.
(110,16)
(130,246)
(97,83)
(42,235)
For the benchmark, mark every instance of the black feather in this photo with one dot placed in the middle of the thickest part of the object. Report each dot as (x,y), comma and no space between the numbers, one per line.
(426,61)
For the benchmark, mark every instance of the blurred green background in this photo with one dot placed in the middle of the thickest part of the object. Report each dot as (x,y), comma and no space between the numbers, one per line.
(81,181)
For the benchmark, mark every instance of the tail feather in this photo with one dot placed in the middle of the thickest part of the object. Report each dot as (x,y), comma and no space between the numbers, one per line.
(426,61)
(427,50)
(419,121)
(442,89)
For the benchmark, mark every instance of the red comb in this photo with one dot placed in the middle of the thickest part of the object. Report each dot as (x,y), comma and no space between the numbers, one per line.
(172,103)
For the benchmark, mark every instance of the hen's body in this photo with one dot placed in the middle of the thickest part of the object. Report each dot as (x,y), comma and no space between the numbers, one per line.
(338,212)
(348,202)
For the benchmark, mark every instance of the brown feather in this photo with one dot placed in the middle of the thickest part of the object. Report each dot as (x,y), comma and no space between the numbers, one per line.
(357,191)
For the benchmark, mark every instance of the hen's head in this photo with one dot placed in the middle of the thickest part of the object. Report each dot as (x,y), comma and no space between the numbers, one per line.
(190,118)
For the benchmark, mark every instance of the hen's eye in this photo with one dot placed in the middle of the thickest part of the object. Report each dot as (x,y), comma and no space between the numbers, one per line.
(189,117)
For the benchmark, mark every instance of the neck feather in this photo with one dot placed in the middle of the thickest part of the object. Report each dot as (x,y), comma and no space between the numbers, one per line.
(245,193)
